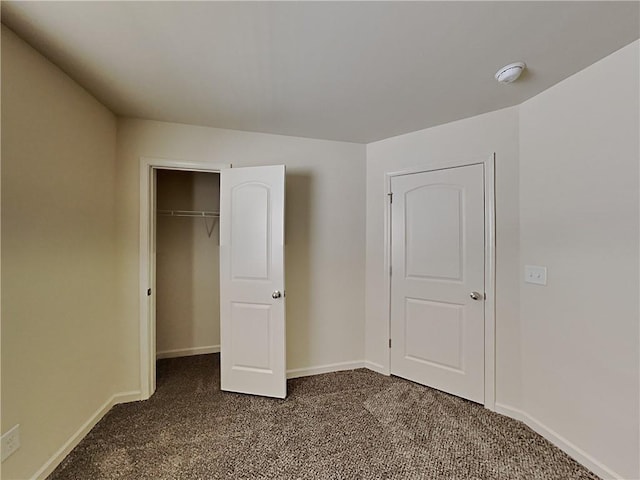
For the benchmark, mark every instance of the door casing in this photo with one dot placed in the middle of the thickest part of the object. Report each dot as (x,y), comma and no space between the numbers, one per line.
(147,273)
(488,163)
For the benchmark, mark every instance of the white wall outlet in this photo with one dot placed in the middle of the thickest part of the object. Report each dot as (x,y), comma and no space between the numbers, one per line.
(535,274)
(10,442)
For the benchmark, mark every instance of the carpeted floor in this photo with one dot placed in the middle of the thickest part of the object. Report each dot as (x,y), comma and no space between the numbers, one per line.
(345,425)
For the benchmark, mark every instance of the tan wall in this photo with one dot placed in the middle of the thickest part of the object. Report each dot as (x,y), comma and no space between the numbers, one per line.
(579,161)
(472,138)
(187,266)
(325,229)
(59,338)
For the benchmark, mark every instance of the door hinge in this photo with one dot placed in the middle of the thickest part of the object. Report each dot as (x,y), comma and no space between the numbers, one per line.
(148,292)
(389,343)
(390,195)
(390,270)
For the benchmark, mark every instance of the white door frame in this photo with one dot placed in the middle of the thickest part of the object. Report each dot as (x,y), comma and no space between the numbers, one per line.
(147,260)
(489,263)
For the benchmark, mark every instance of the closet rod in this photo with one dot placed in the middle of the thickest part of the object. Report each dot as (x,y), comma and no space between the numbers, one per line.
(188,213)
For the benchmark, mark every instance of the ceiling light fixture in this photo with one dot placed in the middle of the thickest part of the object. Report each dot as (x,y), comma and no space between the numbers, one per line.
(510,73)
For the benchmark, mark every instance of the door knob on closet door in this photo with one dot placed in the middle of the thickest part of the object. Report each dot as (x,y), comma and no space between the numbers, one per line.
(475,296)
(276,294)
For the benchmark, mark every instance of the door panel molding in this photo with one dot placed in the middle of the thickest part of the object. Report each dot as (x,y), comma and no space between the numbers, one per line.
(488,163)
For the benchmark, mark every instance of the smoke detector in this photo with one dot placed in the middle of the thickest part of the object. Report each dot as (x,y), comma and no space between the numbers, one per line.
(510,73)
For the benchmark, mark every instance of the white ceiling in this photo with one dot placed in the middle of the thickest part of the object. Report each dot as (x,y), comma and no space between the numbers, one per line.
(354,71)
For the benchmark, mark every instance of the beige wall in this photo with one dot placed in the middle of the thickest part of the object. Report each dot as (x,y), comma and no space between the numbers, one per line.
(473,138)
(59,340)
(579,217)
(325,207)
(187,267)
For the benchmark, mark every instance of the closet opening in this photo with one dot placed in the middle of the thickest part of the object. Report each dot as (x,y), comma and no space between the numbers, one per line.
(180,201)
(205,289)
(187,263)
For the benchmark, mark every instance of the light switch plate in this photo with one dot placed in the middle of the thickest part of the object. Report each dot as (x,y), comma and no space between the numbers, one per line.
(535,274)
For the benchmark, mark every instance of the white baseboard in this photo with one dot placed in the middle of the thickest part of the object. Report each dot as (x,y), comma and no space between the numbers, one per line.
(333,367)
(510,412)
(376,367)
(187,352)
(55,460)
(126,397)
(559,441)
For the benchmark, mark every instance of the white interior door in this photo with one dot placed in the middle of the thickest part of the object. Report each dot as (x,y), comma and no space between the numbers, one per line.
(437,281)
(252,304)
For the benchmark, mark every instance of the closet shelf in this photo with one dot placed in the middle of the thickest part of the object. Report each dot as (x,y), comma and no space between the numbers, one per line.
(189,213)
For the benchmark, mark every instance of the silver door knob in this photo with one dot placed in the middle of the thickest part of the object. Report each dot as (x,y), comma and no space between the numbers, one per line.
(276,294)
(475,296)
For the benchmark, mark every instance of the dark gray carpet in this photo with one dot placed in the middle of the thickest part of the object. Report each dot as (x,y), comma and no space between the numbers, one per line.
(346,425)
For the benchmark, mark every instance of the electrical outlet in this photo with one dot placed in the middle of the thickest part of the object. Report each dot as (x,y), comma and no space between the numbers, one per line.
(10,442)
(535,274)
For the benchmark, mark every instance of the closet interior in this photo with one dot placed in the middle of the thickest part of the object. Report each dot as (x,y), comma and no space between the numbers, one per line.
(187,263)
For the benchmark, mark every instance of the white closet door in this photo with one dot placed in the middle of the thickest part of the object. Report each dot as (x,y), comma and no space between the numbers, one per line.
(437,282)
(252,304)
